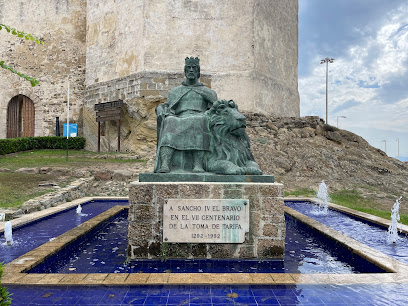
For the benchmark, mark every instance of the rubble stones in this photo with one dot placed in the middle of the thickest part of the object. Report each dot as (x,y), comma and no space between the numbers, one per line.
(122,175)
(28,170)
(103,175)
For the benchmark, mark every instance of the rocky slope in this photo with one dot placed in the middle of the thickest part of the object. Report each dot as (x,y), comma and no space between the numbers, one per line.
(301,152)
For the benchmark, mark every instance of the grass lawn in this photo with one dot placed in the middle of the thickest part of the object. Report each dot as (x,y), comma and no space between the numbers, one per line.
(16,188)
(57,158)
(352,199)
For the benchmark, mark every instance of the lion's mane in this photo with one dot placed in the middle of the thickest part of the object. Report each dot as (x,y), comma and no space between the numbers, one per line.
(224,144)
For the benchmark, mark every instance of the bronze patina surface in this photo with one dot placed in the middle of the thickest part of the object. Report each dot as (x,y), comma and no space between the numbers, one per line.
(196,133)
(182,124)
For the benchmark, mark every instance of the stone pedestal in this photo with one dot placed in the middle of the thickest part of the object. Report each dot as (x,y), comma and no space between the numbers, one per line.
(265,236)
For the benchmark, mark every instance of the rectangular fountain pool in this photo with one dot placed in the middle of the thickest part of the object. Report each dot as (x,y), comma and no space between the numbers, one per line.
(103,250)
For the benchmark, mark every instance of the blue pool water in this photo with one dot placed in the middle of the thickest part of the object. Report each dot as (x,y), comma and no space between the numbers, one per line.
(366,232)
(104,251)
(32,235)
(201,295)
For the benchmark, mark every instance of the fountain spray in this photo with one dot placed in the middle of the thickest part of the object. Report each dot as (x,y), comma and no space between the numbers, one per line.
(8,232)
(395,217)
(79,209)
(323,198)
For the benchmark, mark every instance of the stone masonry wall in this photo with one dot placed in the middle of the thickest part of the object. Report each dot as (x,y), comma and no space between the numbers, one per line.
(61,24)
(247,47)
(265,239)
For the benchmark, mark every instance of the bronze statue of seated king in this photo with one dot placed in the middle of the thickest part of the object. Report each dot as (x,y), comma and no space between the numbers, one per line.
(197,133)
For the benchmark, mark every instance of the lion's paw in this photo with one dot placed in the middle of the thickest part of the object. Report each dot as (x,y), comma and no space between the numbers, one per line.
(253,171)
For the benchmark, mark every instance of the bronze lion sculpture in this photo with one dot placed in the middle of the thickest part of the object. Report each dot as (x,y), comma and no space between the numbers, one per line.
(230,151)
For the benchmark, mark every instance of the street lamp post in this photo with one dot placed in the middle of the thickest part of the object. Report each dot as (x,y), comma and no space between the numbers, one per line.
(327,60)
(385,142)
(338,120)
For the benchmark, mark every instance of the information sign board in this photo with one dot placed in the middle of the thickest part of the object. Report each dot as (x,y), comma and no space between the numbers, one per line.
(73,130)
(205,220)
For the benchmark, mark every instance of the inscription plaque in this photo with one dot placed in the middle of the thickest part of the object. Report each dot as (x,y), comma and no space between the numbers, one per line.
(205,220)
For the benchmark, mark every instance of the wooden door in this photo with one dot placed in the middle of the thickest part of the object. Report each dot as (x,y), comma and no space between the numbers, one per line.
(27,117)
(20,117)
(13,120)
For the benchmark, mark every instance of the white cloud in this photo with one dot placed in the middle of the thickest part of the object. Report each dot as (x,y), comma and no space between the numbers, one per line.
(357,80)
(372,64)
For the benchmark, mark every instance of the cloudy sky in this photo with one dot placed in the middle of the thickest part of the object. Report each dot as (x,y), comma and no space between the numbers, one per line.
(368,80)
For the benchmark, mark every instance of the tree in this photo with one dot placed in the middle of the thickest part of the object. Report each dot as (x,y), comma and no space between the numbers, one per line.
(5,299)
(27,36)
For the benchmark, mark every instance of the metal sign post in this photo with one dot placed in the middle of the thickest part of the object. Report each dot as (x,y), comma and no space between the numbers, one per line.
(67,120)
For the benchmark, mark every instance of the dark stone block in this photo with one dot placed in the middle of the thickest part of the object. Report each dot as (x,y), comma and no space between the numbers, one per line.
(216,191)
(250,190)
(269,190)
(270,248)
(222,250)
(177,250)
(141,193)
(141,251)
(270,230)
(232,194)
(144,213)
(140,232)
(199,250)
(166,191)
(194,191)
(246,251)
(272,206)
(155,249)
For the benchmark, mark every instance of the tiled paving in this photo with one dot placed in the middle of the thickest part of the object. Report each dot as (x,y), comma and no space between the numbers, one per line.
(196,295)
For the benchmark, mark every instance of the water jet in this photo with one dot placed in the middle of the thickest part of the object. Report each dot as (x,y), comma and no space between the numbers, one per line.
(8,232)
(392,236)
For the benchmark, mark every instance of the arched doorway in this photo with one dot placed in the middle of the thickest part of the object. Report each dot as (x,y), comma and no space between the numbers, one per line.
(20,117)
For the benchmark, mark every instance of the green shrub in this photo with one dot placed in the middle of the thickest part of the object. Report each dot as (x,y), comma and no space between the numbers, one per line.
(12,145)
(5,299)
(329,128)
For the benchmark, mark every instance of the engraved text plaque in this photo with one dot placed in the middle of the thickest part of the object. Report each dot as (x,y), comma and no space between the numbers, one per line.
(205,220)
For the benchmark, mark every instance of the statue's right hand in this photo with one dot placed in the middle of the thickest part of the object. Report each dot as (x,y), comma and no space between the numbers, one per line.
(159,110)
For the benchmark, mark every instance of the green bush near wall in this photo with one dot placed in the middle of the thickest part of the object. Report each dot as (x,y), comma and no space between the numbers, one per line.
(12,145)
(5,299)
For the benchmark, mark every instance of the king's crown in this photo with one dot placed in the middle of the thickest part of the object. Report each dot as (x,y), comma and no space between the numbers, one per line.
(192,61)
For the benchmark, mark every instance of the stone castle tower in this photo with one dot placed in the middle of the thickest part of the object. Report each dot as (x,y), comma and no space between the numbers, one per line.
(134,51)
